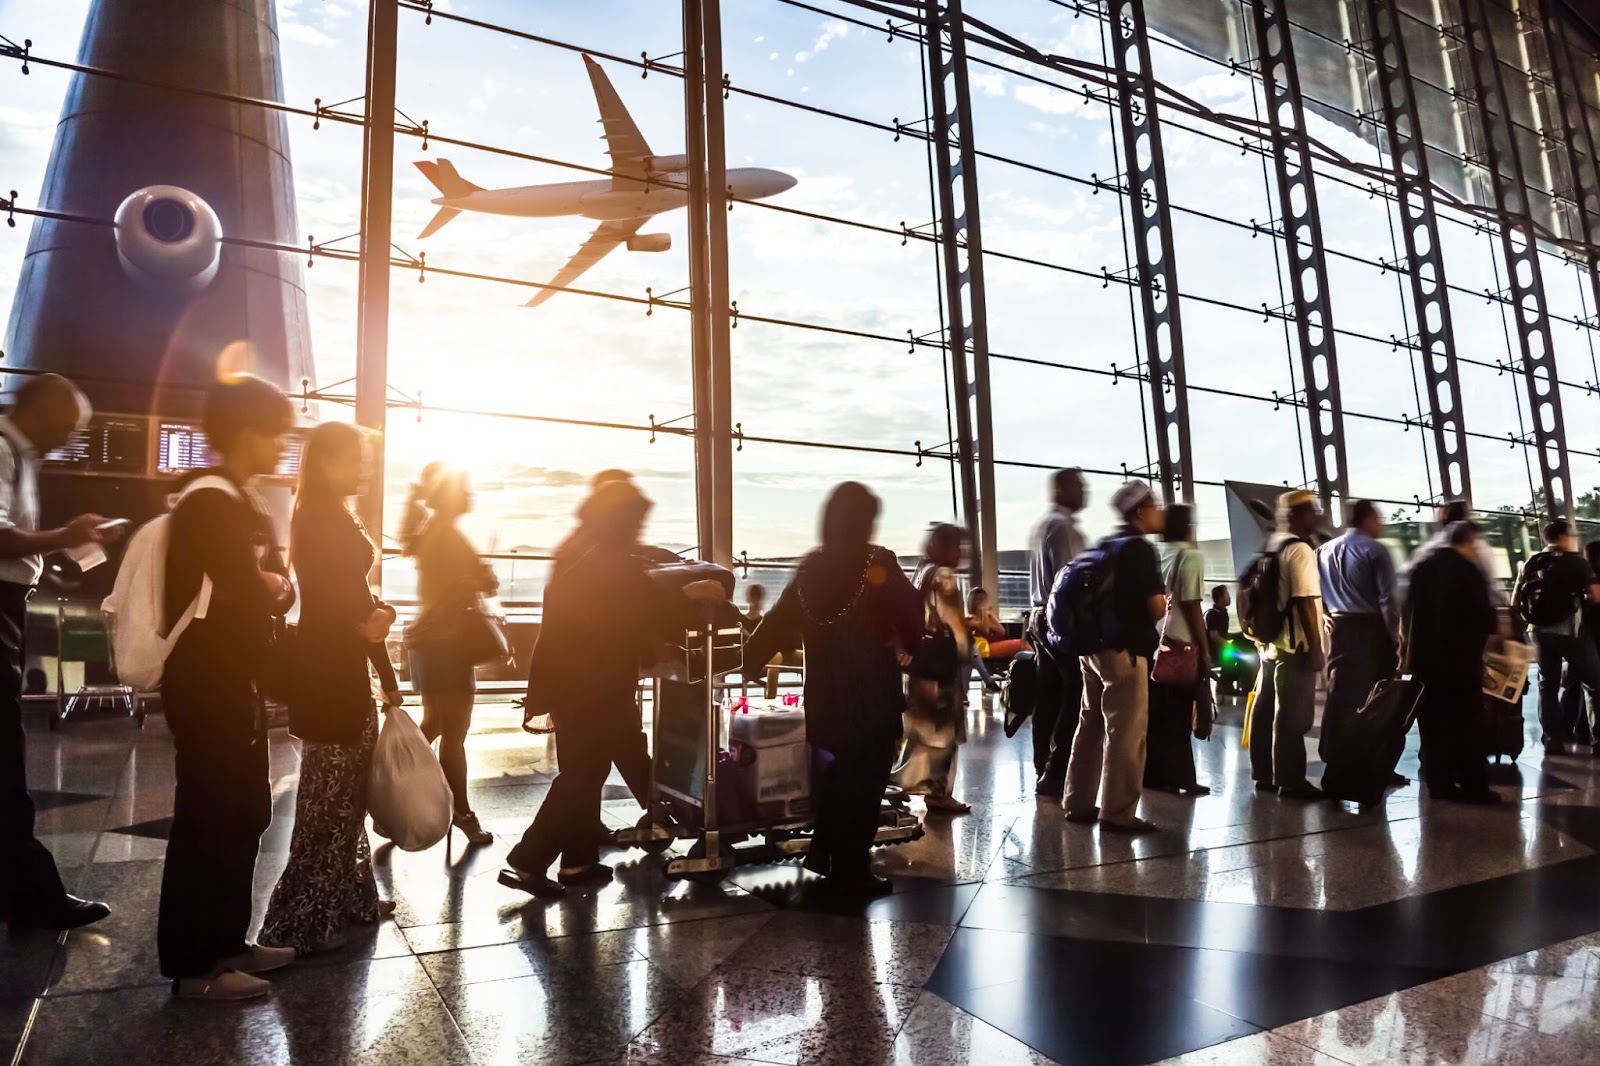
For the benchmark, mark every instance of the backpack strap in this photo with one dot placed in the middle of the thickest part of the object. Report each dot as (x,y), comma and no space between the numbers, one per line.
(215,482)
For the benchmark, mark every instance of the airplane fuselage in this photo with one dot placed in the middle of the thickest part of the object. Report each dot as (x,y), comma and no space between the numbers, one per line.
(601,201)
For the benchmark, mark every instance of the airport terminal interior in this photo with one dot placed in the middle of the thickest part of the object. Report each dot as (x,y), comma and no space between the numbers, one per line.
(1262,259)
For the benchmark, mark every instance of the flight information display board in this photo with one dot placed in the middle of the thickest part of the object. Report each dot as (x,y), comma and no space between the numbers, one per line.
(181,447)
(109,444)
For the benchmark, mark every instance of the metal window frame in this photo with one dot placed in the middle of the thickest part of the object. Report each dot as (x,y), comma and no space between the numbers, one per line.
(1150,206)
(961,244)
(1578,138)
(1519,244)
(1303,248)
(1425,266)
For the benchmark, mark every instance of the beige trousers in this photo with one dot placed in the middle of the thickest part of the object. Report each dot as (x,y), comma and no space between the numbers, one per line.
(1111,736)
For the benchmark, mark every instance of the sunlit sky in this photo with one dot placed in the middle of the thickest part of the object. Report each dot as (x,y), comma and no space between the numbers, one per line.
(471,344)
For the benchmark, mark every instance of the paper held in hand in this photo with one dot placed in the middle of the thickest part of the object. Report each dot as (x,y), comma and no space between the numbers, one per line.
(1505,672)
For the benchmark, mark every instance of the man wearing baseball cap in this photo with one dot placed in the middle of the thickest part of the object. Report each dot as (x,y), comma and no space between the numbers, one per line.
(1110,740)
(1286,691)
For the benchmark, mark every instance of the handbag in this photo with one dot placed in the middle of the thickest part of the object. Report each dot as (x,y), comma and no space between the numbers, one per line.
(1177,662)
(466,631)
(937,657)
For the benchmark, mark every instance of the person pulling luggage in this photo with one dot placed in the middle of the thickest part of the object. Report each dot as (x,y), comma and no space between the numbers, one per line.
(1549,597)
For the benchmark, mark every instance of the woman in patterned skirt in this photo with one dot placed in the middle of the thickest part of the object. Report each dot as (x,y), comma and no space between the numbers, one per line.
(328,883)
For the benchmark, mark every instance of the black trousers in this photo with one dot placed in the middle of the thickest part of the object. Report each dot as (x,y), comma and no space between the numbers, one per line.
(587,743)
(847,795)
(1360,654)
(1582,661)
(1451,724)
(29,883)
(1057,702)
(221,804)
(1169,754)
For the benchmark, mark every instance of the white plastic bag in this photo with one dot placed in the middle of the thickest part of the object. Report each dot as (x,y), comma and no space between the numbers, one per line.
(407,794)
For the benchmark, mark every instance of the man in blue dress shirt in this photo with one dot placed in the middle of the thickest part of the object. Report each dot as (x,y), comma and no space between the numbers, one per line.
(1359,593)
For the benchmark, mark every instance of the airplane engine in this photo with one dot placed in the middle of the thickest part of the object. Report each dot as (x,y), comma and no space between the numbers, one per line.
(650,242)
(168,239)
(666,164)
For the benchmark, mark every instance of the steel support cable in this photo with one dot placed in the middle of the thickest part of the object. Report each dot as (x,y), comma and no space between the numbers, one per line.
(355,120)
(650,303)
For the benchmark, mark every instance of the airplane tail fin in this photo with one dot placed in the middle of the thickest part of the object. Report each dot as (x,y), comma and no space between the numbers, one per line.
(445,178)
(445,215)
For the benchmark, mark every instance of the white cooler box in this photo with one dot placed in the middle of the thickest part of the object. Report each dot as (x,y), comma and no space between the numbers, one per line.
(775,763)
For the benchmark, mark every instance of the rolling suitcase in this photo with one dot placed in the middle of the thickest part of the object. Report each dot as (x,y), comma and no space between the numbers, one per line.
(1504,728)
(1369,746)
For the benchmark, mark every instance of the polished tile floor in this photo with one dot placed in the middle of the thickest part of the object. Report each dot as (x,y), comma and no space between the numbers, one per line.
(1249,929)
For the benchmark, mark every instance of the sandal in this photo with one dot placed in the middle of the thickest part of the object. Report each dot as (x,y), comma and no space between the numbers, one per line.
(947,805)
(476,834)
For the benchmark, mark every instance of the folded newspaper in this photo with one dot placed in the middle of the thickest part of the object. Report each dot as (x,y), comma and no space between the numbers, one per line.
(1505,672)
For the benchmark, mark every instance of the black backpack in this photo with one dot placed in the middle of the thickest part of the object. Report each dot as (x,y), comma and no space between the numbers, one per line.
(1017,691)
(1260,617)
(1541,601)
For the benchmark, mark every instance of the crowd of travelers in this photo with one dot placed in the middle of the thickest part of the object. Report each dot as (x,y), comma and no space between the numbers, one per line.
(1124,661)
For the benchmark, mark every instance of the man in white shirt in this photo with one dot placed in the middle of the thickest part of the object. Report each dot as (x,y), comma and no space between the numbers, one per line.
(1286,692)
(45,412)
(1056,541)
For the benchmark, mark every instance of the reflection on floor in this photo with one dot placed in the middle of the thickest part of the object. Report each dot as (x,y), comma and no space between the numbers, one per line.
(1248,930)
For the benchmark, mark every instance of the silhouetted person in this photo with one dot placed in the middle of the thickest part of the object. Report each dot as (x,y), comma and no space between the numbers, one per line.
(598,587)
(328,883)
(1108,750)
(856,616)
(1360,594)
(936,710)
(45,412)
(1286,692)
(1551,591)
(1056,541)
(222,799)
(1449,620)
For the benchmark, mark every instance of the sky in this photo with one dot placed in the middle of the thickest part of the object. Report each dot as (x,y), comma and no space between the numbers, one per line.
(470,344)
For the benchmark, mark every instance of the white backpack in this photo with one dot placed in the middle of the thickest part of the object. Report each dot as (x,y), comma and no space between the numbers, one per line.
(136,607)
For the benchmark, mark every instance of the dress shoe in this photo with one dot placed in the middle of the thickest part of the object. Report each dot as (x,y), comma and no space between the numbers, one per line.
(533,884)
(592,876)
(71,913)
(1487,798)
(861,886)
(1266,786)
(1088,817)
(227,986)
(1196,790)
(258,958)
(1306,791)
(1050,785)
(1398,780)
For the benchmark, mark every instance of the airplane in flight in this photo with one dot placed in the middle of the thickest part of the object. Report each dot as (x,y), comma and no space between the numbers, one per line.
(622,203)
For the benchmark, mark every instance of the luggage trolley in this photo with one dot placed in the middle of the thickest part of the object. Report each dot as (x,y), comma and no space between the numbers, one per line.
(695,798)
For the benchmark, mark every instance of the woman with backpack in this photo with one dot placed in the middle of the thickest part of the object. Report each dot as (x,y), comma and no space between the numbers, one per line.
(1180,700)
(450,581)
(936,713)
(852,609)
(328,884)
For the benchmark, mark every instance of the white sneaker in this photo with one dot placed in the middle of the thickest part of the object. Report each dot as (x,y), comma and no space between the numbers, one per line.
(228,986)
(258,959)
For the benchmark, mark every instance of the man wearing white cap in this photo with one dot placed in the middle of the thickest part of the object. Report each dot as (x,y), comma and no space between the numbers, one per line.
(1110,740)
(1286,692)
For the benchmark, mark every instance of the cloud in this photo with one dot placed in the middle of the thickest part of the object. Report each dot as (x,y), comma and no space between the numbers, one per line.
(300,33)
(1043,98)
(831,32)
(990,83)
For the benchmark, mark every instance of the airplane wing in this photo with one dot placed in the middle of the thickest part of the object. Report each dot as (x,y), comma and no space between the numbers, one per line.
(624,143)
(602,241)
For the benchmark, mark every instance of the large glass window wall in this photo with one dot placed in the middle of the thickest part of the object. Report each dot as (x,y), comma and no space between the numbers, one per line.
(840,366)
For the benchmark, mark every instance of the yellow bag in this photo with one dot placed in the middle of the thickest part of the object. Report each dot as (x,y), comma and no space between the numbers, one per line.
(1249,713)
(983,647)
